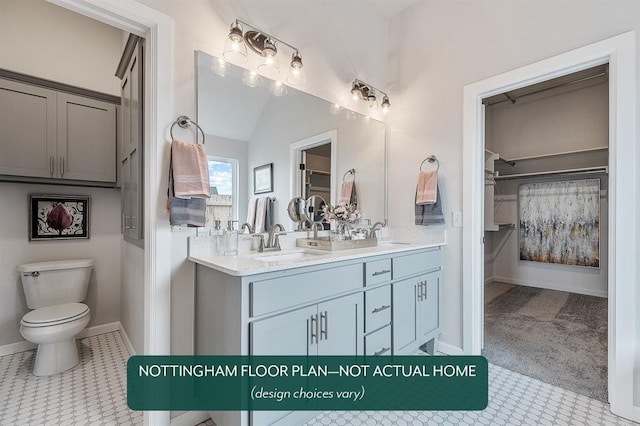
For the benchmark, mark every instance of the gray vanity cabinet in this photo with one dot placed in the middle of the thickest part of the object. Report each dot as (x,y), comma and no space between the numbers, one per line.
(415,312)
(382,304)
(48,133)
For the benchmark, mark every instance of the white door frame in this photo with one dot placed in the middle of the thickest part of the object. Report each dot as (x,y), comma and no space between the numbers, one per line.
(156,28)
(295,150)
(620,53)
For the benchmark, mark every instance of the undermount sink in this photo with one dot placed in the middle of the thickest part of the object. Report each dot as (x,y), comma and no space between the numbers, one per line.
(286,256)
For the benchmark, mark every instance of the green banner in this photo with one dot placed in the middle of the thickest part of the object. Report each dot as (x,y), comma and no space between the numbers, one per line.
(307,383)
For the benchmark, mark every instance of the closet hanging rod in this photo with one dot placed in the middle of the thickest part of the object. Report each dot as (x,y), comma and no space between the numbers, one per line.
(504,160)
(585,170)
(513,99)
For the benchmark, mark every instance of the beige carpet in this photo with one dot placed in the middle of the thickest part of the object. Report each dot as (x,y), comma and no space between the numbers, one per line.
(554,336)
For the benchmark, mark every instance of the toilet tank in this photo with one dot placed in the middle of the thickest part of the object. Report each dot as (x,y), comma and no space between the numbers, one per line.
(55,282)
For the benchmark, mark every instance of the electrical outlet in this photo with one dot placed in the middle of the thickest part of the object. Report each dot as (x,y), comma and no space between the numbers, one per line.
(457,219)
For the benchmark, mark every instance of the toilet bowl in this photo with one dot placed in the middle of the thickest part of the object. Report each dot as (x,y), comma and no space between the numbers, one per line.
(54,291)
(54,330)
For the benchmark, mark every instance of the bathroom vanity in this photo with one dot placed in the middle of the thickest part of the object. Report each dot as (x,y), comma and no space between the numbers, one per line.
(380,300)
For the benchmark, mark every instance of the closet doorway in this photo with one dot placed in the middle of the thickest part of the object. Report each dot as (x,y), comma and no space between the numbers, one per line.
(546,231)
(620,53)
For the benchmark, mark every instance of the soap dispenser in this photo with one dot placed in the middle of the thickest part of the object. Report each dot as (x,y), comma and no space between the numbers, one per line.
(230,239)
(218,235)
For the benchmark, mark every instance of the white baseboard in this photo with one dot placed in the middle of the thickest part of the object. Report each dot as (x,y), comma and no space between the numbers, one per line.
(14,348)
(99,329)
(552,286)
(448,349)
(190,418)
(488,280)
(126,340)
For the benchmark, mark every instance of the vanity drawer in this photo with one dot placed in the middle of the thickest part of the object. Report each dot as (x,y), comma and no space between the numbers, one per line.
(378,343)
(377,305)
(377,271)
(287,291)
(416,263)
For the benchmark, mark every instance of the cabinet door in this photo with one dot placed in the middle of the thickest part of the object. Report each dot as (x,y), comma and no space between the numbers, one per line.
(27,130)
(340,324)
(86,139)
(285,334)
(131,148)
(405,317)
(428,313)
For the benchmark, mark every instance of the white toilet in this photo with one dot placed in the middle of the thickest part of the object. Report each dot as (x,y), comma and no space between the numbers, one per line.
(54,290)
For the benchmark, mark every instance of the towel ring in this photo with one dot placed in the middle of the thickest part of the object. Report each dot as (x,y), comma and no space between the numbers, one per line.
(184,122)
(349,172)
(430,159)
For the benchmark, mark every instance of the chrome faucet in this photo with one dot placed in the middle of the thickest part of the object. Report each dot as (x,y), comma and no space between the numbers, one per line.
(273,242)
(372,231)
(249,227)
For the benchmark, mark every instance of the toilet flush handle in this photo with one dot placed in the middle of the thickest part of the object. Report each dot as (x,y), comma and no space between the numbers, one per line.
(35,274)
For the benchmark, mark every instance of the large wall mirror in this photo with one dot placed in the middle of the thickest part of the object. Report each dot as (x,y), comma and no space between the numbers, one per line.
(253,127)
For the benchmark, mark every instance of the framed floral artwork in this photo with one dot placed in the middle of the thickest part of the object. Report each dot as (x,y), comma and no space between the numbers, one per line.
(263,179)
(55,217)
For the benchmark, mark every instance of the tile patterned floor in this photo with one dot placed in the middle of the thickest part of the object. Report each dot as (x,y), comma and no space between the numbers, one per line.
(514,399)
(92,393)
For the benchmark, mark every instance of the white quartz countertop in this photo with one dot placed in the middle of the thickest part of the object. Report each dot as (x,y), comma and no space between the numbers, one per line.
(251,263)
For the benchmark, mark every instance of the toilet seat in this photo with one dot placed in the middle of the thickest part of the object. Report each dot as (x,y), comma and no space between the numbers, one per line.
(55,315)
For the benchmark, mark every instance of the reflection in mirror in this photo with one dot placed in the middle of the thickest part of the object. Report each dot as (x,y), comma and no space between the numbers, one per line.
(297,210)
(310,147)
(315,205)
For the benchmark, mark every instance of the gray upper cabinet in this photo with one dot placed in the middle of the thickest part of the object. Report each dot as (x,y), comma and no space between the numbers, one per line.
(47,133)
(86,139)
(27,129)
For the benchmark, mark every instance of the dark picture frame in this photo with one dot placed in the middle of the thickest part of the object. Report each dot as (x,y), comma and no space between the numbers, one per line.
(263,179)
(58,217)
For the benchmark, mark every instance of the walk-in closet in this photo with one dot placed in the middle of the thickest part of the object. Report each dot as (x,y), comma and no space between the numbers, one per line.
(546,233)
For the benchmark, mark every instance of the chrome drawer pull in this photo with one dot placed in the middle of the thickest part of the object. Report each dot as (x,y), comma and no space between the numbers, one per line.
(314,327)
(382,351)
(324,329)
(384,271)
(380,309)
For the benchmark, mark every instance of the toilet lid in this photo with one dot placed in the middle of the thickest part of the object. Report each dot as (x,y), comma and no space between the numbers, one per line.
(54,314)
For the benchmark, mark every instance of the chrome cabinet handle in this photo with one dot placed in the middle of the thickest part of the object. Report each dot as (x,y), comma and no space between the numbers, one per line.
(51,165)
(314,328)
(61,166)
(382,351)
(419,291)
(380,309)
(384,271)
(324,316)
(424,285)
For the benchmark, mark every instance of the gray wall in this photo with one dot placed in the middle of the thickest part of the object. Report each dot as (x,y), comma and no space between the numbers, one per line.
(103,246)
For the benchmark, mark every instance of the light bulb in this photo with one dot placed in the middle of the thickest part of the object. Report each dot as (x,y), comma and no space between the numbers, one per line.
(278,89)
(234,48)
(219,66)
(251,78)
(335,109)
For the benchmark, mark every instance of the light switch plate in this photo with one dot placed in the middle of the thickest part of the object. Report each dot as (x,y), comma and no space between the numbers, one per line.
(457,219)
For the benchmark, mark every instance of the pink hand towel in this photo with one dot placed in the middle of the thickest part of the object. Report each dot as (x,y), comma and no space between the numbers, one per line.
(251,213)
(345,192)
(190,170)
(427,189)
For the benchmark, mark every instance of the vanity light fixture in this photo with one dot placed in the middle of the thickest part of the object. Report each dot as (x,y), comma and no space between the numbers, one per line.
(366,93)
(266,46)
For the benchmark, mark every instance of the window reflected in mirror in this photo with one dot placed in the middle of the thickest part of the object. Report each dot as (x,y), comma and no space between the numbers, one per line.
(223,204)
